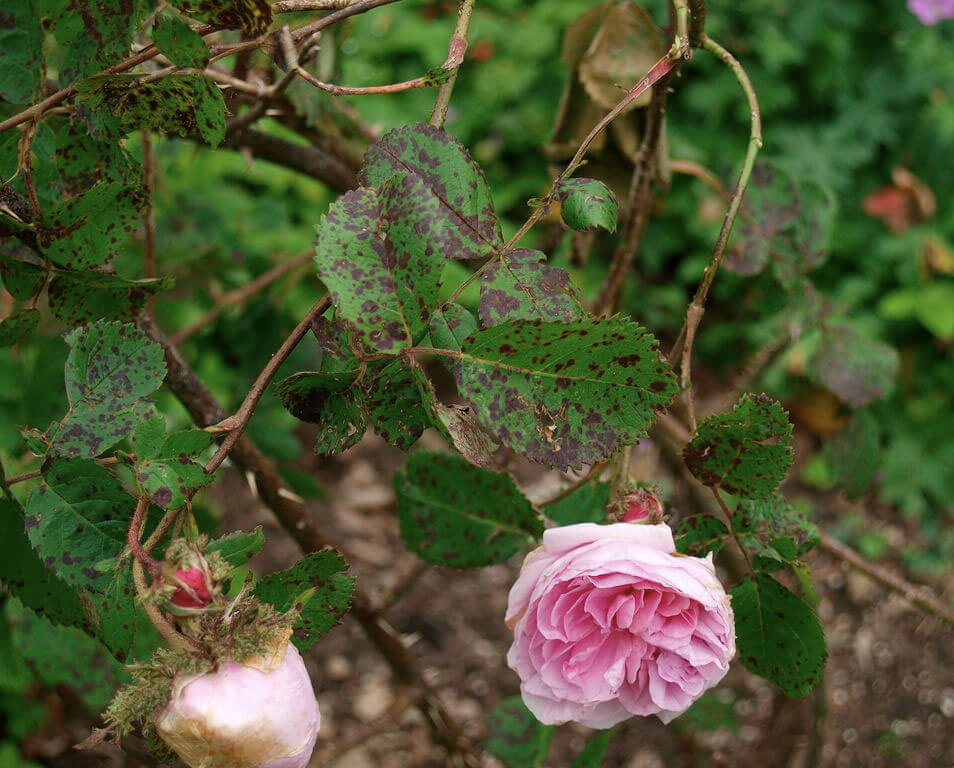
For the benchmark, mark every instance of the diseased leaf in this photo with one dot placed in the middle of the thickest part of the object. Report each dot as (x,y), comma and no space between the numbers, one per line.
(18,327)
(587,504)
(393,405)
(450,326)
(187,105)
(522,286)
(700,534)
(773,530)
(86,667)
(803,246)
(122,626)
(111,366)
(854,454)
(593,752)
(86,230)
(320,585)
(769,207)
(82,297)
(854,366)
(565,394)
(22,279)
(779,637)
(179,43)
(76,518)
(93,35)
(25,576)
(21,51)
(516,737)
(251,16)
(465,226)
(455,514)
(746,451)
(238,547)
(378,254)
(171,475)
(587,204)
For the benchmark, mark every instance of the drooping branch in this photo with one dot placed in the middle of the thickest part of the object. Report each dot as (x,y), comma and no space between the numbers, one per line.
(686,337)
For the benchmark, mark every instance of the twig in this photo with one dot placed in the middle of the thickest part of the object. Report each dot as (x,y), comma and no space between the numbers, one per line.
(405,586)
(149,217)
(686,337)
(240,296)
(916,595)
(297,6)
(458,42)
(237,423)
(728,525)
(293,517)
(164,524)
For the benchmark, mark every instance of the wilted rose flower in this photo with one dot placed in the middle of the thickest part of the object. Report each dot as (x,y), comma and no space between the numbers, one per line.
(932,11)
(252,715)
(609,622)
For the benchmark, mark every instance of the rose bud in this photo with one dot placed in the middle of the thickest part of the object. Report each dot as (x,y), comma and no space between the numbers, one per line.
(194,586)
(639,505)
(258,714)
(610,622)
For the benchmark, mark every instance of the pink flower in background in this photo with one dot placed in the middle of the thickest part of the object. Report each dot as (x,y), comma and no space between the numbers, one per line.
(609,623)
(250,715)
(932,11)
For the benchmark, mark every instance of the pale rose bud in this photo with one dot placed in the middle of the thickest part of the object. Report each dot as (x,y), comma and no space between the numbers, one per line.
(932,11)
(244,715)
(609,622)
(639,505)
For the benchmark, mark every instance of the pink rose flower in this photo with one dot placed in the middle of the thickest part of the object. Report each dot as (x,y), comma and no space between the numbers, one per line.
(254,715)
(609,622)
(932,11)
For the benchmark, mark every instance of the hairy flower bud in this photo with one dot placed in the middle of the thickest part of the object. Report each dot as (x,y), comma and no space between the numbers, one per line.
(190,577)
(259,714)
(641,504)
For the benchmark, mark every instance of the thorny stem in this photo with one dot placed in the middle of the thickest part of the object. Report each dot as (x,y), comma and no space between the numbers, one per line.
(458,40)
(237,423)
(240,296)
(134,534)
(686,337)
